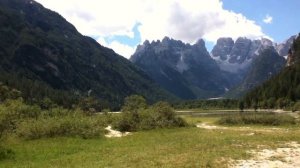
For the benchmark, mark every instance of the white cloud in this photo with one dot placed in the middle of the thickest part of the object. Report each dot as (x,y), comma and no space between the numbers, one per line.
(268,19)
(122,49)
(235,25)
(187,20)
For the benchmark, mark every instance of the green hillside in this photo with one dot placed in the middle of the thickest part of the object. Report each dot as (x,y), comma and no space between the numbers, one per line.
(43,55)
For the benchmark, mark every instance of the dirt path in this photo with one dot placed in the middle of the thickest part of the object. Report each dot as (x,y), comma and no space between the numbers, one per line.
(114,133)
(284,157)
(210,127)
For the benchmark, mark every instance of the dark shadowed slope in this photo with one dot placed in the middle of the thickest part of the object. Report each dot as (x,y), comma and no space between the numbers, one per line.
(40,45)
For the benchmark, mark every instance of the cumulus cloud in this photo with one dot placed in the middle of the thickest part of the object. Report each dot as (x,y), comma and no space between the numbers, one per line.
(268,19)
(187,20)
(235,25)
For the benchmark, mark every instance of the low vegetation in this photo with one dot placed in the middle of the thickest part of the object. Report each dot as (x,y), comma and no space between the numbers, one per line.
(176,147)
(31,122)
(137,115)
(258,119)
(46,120)
(207,104)
(45,135)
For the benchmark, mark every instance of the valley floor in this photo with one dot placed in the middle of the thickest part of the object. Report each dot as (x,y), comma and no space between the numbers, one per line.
(207,145)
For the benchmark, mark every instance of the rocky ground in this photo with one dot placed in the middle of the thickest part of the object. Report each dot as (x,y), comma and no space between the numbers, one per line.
(287,156)
(114,133)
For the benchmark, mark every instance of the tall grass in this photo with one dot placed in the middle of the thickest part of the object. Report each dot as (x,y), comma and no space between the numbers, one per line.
(260,119)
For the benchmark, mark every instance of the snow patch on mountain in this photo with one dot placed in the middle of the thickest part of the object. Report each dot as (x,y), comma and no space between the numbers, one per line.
(225,65)
(181,65)
(237,56)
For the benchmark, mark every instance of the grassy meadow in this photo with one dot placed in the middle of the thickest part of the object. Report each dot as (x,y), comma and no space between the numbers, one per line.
(173,147)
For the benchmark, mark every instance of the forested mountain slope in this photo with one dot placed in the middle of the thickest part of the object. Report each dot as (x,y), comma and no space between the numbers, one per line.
(282,89)
(43,55)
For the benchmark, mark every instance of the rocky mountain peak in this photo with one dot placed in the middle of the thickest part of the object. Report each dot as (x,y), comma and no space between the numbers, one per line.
(293,55)
(240,50)
(146,42)
(200,42)
(283,48)
(266,42)
(166,40)
(183,69)
(235,56)
(223,48)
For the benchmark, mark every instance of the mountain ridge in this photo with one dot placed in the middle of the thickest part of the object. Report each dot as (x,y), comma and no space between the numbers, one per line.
(282,90)
(168,60)
(234,60)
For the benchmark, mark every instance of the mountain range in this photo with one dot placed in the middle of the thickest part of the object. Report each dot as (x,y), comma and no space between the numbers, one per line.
(188,71)
(231,69)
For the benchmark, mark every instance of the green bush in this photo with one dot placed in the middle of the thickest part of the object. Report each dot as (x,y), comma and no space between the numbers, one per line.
(127,123)
(136,116)
(134,104)
(31,122)
(261,119)
(72,125)
(57,112)
(17,109)
(296,106)
(161,115)
(131,116)
(14,111)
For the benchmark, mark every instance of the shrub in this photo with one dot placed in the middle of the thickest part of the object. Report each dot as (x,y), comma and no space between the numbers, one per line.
(58,112)
(164,115)
(90,105)
(47,104)
(131,116)
(9,115)
(17,109)
(71,125)
(13,111)
(30,122)
(296,106)
(134,103)
(283,103)
(160,115)
(241,106)
(126,123)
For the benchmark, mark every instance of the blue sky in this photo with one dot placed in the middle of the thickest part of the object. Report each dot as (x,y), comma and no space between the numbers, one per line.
(131,41)
(285,15)
(122,27)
